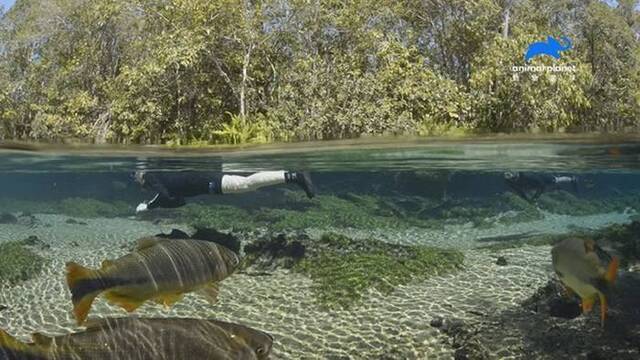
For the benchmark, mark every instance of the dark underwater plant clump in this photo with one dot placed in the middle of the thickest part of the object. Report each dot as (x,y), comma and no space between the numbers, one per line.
(624,238)
(18,262)
(344,269)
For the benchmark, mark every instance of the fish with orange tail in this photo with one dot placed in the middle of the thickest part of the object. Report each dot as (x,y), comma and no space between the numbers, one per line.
(587,270)
(133,338)
(158,269)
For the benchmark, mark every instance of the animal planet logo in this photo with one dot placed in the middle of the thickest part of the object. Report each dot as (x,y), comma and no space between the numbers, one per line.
(552,47)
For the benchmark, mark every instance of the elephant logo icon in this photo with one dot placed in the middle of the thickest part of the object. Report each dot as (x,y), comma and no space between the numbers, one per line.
(551,48)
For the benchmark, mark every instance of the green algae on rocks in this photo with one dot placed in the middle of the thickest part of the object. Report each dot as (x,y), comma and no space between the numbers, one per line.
(296,212)
(74,207)
(344,269)
(18,262)
(92,208)
(623,238)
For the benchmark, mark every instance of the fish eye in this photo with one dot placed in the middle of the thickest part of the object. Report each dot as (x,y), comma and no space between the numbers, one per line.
(260,350)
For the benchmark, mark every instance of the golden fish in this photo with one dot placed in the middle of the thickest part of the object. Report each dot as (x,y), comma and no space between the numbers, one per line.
(586,269)
(145,339)
(159,269)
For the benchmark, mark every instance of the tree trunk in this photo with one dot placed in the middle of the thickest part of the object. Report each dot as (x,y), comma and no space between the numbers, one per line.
(243,85)
(505,23)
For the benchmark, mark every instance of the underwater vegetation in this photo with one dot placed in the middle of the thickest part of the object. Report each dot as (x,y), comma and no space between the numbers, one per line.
(324,211)
(519,241)
(623,238)
(75,207)
(291,210)
(563,202)
(91,208)
(344,269)
(18,262)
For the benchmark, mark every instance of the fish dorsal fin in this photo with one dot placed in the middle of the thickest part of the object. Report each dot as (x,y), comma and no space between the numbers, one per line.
(146,242)
(106,264)
(42,340)
(612,271)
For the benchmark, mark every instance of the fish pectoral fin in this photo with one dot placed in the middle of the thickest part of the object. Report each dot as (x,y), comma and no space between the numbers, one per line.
(210,292)
(612,270)
(587,305)
(9,342)
(603,309)
(168,299)
(123,301)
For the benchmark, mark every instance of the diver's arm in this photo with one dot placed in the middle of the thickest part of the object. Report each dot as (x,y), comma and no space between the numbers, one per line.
(165,201)
(162,197)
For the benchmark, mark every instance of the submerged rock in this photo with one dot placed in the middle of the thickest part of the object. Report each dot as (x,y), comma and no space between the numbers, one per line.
(227,240)
(548,300)
(75,222)
(502,261)
(3,307)
(464,338)
(437,322)
(174,234)
(6,218)
(272,252)
(27,219)
(33,240)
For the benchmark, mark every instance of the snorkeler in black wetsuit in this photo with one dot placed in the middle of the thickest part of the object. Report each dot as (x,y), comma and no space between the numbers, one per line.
(172,188)
(522,183)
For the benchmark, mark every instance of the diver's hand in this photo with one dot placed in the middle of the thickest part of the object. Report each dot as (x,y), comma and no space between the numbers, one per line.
(141,207)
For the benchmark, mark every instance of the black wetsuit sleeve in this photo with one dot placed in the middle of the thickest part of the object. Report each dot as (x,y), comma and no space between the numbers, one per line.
(162,198)
(165,201)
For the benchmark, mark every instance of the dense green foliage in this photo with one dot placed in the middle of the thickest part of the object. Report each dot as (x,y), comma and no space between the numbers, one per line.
(233,71)
(18,262)
(343,269)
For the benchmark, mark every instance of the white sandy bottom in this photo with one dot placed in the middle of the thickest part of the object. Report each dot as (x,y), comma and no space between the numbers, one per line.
(390,327)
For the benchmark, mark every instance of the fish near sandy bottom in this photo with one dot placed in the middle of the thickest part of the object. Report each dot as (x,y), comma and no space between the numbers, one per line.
(587,270)
(146,339)
(158,269)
